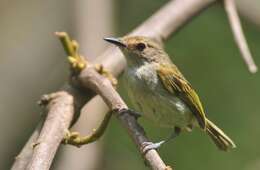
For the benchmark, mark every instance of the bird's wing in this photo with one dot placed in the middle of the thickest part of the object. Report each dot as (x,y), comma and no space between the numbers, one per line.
(174,82)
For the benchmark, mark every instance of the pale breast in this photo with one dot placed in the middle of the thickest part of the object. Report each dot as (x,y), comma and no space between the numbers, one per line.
(149,97)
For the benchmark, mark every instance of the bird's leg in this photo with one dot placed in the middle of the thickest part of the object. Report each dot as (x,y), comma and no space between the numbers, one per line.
(129,111)
(146,146)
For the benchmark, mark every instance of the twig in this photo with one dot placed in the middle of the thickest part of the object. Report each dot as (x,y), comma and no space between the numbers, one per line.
(78,140)
(172,16)
(60,114)
(239,37)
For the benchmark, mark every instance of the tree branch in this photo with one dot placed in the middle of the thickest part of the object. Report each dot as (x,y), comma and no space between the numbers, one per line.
(239,37)
(25,155)
(60,114)
(171,18)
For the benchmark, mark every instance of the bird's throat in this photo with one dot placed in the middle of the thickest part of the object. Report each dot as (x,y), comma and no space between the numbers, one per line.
(146,74)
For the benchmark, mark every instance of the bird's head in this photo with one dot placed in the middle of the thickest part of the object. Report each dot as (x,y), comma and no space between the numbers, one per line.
(138,49)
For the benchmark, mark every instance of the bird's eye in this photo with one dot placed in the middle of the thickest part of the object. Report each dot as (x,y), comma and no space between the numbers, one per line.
(140,46)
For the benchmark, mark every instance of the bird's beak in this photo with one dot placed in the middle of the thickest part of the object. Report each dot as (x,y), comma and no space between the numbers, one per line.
(115,41)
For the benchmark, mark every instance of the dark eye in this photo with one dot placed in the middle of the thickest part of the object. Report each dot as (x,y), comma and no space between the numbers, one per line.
(140,46)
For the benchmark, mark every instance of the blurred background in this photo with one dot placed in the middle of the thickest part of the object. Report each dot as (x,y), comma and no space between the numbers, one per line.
(32,63)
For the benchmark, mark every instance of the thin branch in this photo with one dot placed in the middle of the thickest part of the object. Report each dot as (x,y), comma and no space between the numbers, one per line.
(239,37)
(163,23)
(60,114)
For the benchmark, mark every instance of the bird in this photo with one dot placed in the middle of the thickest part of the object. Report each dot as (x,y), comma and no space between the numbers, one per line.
(160,92)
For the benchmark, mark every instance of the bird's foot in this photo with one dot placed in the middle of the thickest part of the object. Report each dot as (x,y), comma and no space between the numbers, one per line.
(129,111)
(146,146)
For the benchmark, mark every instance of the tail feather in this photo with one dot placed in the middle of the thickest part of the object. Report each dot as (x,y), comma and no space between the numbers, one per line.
(222,141)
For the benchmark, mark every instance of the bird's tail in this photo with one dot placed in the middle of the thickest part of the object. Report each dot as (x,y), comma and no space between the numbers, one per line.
(222,141)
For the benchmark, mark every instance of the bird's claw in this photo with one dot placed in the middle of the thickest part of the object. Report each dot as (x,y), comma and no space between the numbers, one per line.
(146,146)
(129,111)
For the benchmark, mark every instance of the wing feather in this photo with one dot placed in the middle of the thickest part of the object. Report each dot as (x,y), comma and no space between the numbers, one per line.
(174,82)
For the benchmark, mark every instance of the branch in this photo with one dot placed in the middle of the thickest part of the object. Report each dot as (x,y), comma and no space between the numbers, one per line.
(25,155)
(239,37)
(60,114)
(164,22)
(80,98)
(171,18)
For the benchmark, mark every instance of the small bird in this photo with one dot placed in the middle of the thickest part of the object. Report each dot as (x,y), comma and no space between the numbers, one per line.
(159,91)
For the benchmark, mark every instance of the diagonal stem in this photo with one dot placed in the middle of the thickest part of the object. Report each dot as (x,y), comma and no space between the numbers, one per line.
(239,36)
